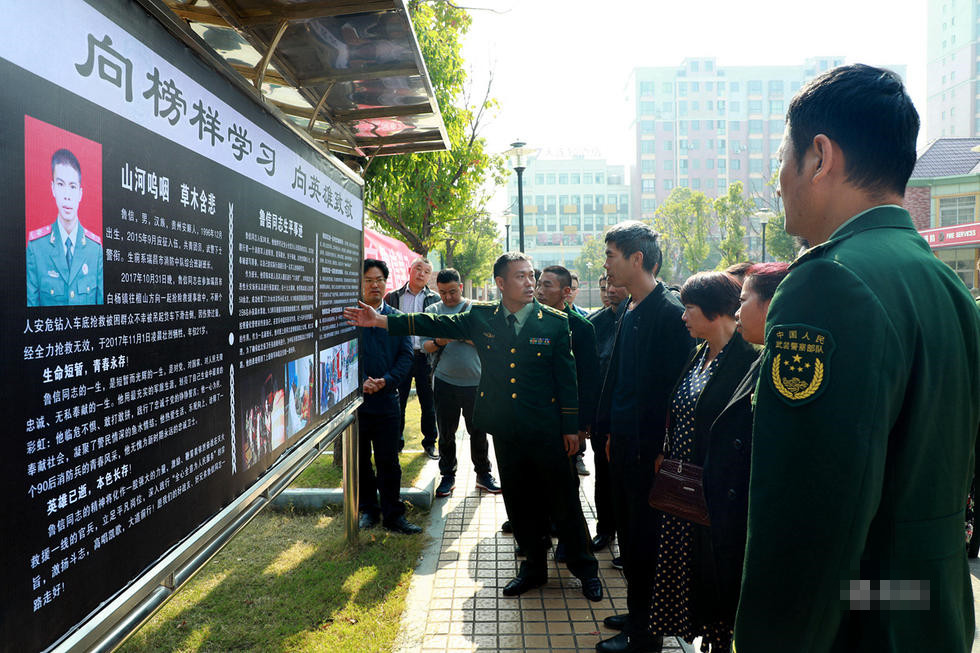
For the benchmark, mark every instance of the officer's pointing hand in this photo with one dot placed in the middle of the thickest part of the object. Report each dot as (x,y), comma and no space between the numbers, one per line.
(365,316)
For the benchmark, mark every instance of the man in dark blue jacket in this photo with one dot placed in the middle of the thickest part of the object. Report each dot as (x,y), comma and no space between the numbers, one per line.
(384,364)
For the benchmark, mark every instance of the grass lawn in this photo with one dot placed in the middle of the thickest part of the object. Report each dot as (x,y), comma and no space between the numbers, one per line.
(323,473)
(288,583)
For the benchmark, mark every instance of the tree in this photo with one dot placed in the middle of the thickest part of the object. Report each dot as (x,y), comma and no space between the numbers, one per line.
(594,252)
(733,210)
(474,252)
(684,220)
(779,244)
(423,198)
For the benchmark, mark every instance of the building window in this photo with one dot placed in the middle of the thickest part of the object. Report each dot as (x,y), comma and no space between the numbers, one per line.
(696,183)
(668,107)
(682,89)
(668,184)
(709,164)
(709,183)
(647,166)
(683,164)
(721,144)
(777,126)
(961,260)
(682,183)
(668,126)
(648,108)
(736,164)
(599,178)
(693,144)
(668,87)
(775,86)
(755,127)
(735,124)
(694,66)
(733,87)
(550,178)
(563,179)
(695,124)
(721,126)
(695,87)
(695,164)
(755,86)
(576,178)
(755,165)
(682,144)
(734,106)
(668,145)
(539,179)
(755,106)
(682,108)
(668,164)
(646,88)
(708,67)
(646,147)
(588,176)
(755,145)
(776,108)
(649,204)
(646,126)
(709,86)
(721,165)
(957,210)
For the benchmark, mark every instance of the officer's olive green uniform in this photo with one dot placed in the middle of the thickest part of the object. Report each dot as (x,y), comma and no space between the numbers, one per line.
(50,282)
(526,400)
(867,411)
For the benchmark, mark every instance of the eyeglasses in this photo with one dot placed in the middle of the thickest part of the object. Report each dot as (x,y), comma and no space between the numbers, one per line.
(372,281)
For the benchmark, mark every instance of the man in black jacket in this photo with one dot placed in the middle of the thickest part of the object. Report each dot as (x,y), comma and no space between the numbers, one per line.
(384,364)
(414,297)
(605,321)
(651,348)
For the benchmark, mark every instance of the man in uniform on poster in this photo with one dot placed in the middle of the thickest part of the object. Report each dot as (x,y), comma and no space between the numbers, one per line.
(64,260)
(527,400)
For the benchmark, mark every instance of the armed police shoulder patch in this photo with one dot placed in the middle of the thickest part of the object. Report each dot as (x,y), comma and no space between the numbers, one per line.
(799,361)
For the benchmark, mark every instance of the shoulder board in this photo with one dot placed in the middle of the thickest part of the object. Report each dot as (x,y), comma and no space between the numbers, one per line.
(475,303)
(39,233)
(553,311)
(91,235)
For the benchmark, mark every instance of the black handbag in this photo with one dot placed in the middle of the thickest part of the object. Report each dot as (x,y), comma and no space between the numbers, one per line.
(678,490)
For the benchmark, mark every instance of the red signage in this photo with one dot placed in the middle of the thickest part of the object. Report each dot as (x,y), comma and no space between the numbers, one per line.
(393,252)
(962,234)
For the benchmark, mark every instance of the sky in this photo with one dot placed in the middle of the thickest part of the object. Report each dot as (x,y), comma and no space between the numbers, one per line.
(561,67)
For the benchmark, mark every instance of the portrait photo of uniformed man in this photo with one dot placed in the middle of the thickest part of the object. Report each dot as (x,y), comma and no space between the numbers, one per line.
(64,259)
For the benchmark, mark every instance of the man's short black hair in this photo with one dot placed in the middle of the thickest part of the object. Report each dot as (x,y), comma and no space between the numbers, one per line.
(500,265)
(376,263)
(633,236)
(447,275)
(65,157)
(868,113)
(560,271)
(574,275)
(715,293)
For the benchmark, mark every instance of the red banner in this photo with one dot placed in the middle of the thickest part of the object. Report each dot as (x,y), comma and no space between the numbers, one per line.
(393,252)
(962,234)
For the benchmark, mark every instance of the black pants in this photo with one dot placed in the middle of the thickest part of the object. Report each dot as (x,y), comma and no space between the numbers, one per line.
(538,479)
(605,507)
(380,433)
(639,529)
(423,390)
(451,400)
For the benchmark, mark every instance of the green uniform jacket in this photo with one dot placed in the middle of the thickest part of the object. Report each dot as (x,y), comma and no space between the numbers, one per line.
(586,367)
(525,385)
(866,417)
(50,282)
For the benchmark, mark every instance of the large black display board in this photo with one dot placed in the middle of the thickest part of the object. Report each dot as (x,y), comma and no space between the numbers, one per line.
(191,334)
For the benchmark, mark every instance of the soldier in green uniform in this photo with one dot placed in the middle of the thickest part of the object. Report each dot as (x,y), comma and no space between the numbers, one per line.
(527,401)
(64,260)
(868,402)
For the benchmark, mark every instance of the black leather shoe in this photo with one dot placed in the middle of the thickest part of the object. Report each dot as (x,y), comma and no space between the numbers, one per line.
(367,521)
(592,589)
(617,562)
(521,584)
(506,527)
(616,621)
(623,643)
(431,452)
(403,526)
(601,541)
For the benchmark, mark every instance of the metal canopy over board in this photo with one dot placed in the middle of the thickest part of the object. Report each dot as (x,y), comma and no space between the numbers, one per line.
(348,72)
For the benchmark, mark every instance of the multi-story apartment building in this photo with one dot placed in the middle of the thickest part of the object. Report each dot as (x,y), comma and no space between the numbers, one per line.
(569,197)
(704,126)
(952,69)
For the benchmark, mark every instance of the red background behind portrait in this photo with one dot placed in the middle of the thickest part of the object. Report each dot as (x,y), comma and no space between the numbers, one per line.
(41,141)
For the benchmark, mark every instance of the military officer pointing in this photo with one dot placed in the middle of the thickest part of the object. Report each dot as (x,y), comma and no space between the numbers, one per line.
(527,401)
(867,405)
(64,260)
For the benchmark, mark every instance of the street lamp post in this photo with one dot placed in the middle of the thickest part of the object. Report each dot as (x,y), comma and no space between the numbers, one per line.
(588,266)
(508,217)
(764,220)
(518,158)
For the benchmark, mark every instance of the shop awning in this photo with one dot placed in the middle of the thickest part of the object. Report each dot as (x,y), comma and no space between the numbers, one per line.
(348,72)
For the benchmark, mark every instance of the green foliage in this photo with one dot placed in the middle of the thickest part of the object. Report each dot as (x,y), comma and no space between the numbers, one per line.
(684,221)
(780,246)
(423,198)
(594,252)
(733,210)
(474,252)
